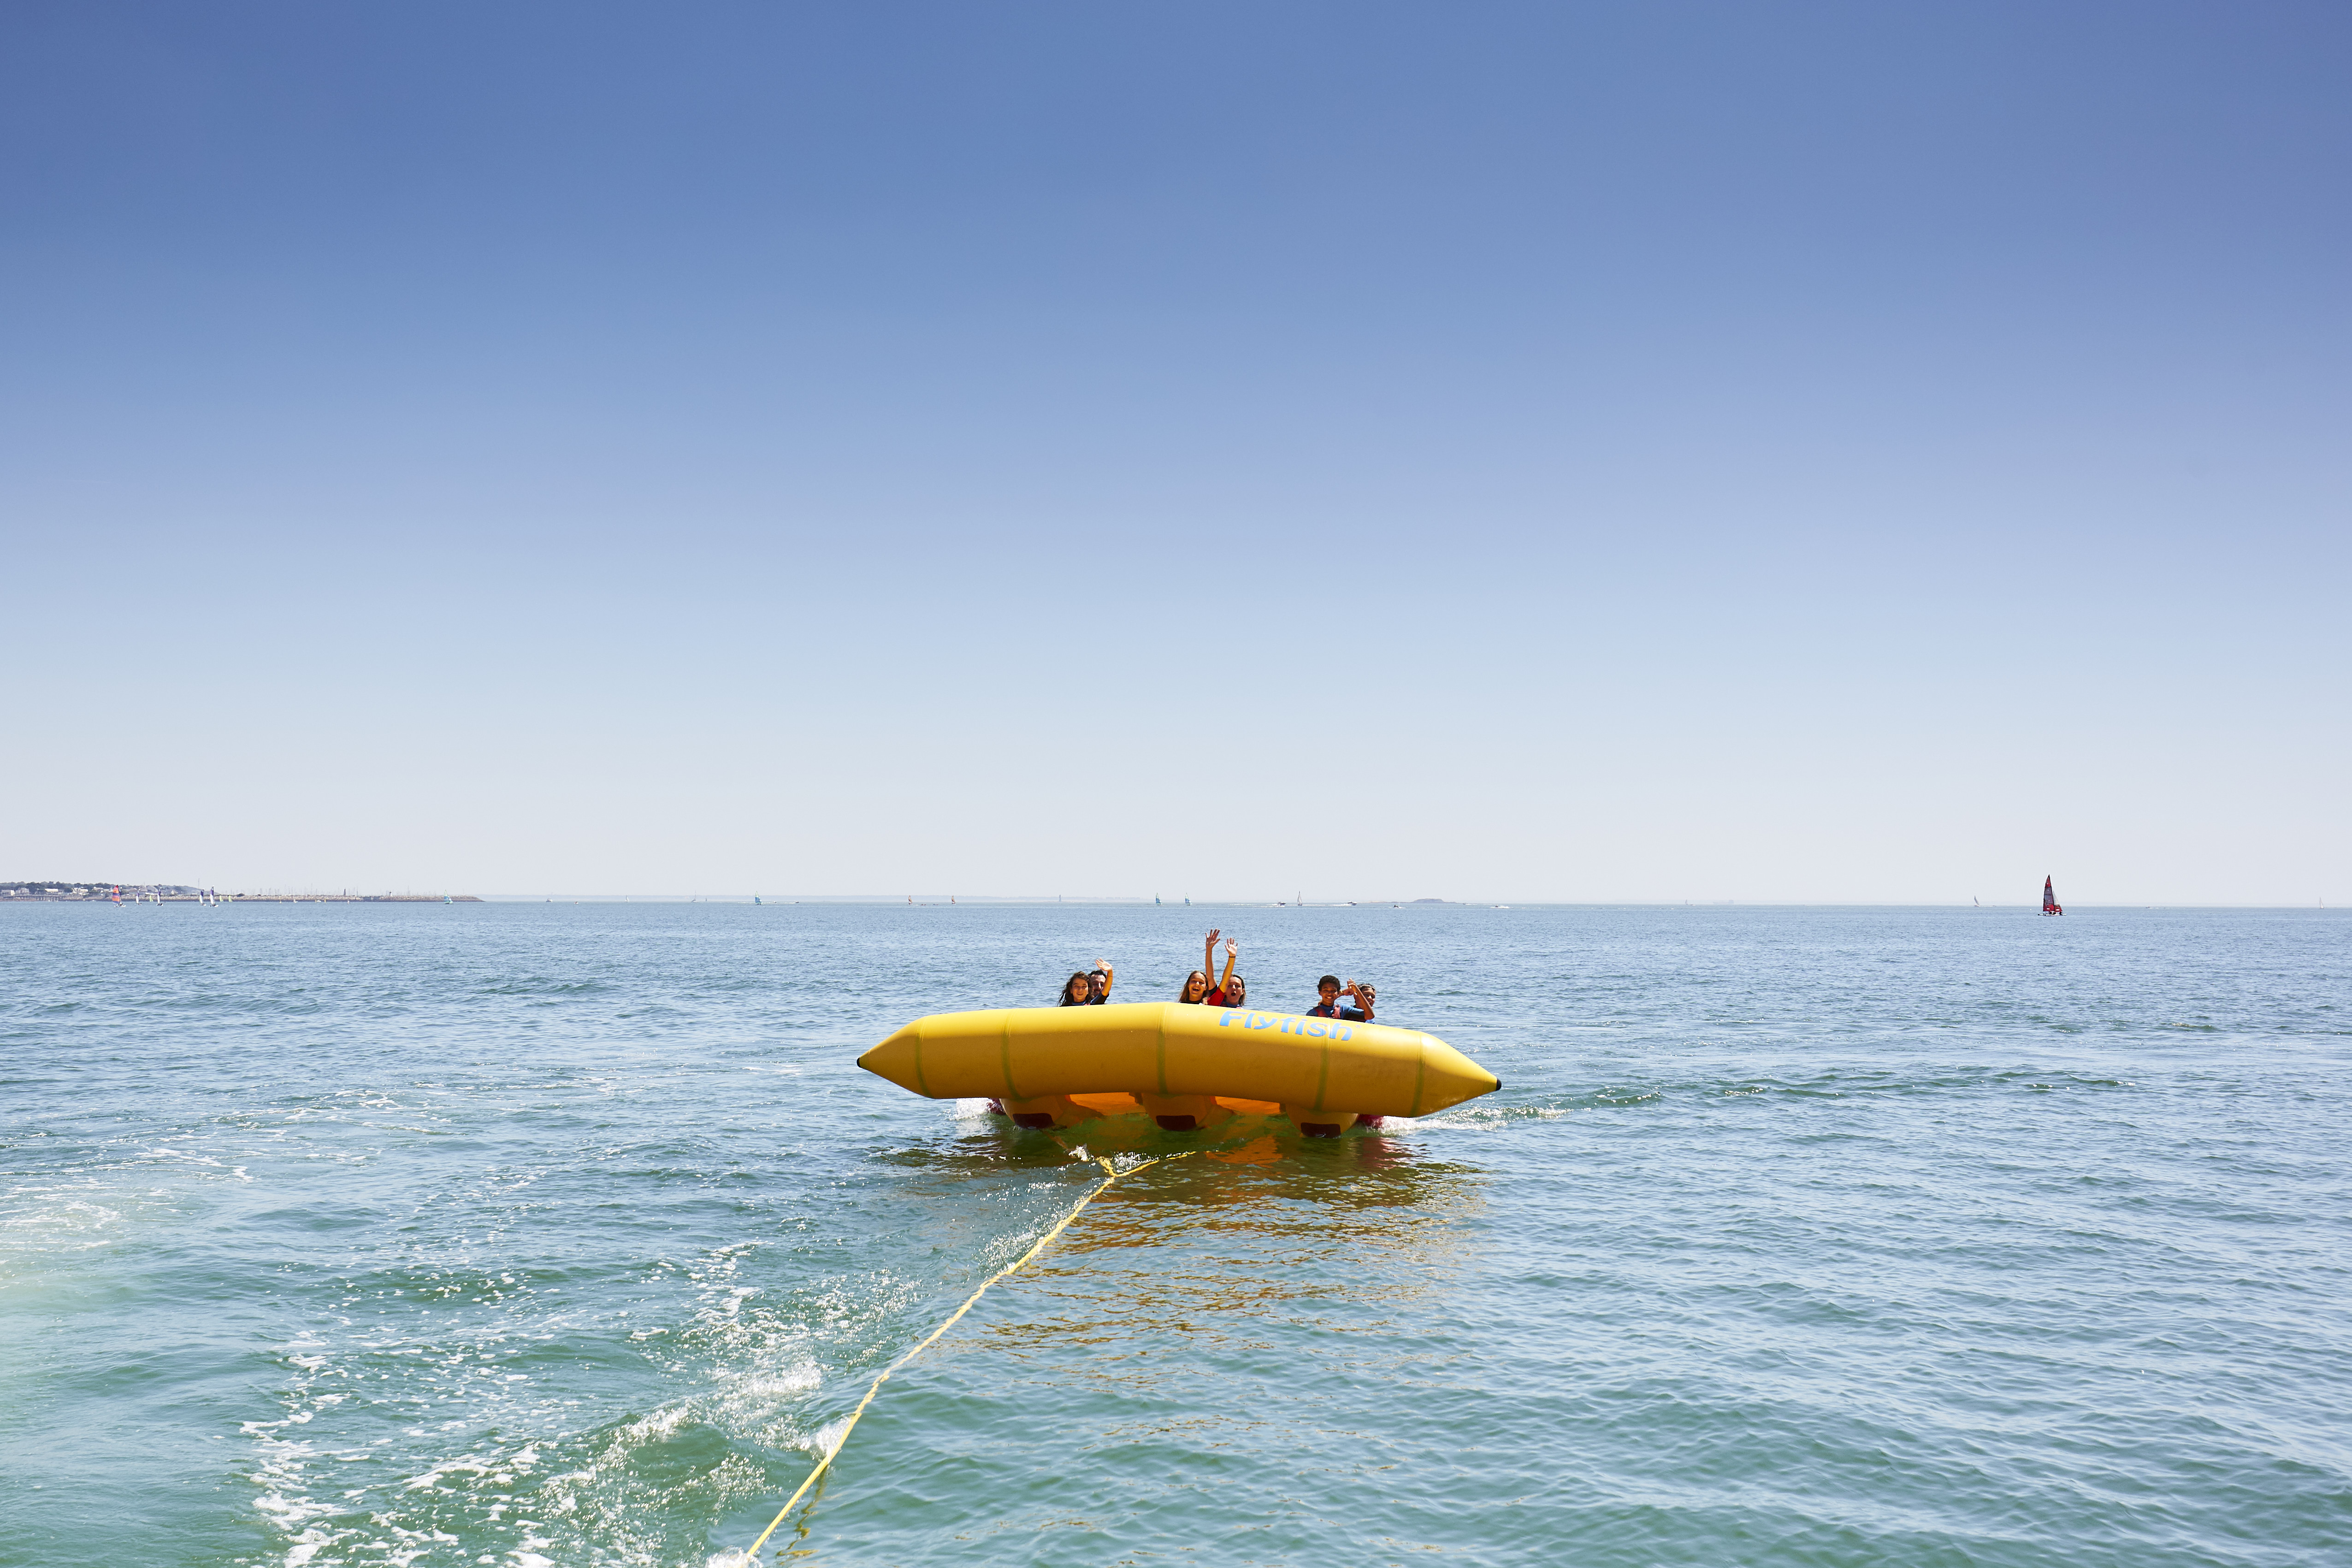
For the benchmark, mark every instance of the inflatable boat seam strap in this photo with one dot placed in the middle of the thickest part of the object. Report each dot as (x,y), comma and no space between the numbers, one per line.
(1005,1053)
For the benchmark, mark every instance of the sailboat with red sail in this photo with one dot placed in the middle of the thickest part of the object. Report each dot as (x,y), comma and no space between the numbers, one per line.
(2050,905)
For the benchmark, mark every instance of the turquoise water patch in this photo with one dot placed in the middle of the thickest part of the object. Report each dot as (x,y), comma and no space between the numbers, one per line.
(567,1234)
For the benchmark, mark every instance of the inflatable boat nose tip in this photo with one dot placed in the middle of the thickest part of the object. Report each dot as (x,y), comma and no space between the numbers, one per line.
(896,1058)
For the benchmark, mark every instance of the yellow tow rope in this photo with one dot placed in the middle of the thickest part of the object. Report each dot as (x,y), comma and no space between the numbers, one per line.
(1044,1241)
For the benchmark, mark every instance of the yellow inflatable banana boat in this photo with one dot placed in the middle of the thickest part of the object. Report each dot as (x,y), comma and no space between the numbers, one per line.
(1184,1064)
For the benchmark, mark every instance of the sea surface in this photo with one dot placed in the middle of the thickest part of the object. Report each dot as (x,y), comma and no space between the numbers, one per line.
(548,1234)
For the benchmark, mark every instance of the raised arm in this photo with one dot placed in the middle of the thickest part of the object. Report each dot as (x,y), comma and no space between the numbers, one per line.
(1209,959)
(1104,964)
(1363,996)
(1232,948)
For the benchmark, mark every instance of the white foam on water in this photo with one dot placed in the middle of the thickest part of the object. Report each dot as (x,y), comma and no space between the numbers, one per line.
(663,1423)
(1475,1118)
(411,1428)
(797,1379)
(446,1469)
(285,1498)
(827,1438)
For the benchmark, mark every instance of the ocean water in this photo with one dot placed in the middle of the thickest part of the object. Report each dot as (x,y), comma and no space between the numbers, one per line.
(526,1235)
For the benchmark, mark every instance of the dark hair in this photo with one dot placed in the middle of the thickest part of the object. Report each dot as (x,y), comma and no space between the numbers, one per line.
(1078,980)
(1235,990)
(1331,980)
(1207,986)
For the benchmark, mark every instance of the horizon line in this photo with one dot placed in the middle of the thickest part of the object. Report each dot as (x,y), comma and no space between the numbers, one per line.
(921,900)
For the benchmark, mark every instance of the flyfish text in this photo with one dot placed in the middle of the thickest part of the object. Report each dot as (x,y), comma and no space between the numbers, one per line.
(1289,1024)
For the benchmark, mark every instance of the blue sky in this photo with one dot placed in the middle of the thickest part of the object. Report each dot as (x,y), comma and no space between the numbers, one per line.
(1869,452)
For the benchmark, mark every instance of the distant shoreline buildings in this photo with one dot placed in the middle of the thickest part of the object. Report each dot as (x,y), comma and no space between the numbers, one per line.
(63,892)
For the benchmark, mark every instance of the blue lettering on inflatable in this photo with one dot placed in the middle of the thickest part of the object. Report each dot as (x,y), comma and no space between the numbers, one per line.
(1344,1032)
(1227,1018)
(1317,1029)
(1260,1021)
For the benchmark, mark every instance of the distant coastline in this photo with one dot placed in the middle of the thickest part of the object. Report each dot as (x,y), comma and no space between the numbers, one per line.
(174,893)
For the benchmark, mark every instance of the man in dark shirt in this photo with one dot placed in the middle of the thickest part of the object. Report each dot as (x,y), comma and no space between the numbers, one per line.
(1330,990)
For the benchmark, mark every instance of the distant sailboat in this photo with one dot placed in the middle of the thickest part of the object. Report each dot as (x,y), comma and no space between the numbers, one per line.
(2050,905)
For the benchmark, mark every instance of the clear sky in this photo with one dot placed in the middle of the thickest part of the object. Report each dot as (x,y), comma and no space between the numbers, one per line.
(1873,452)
